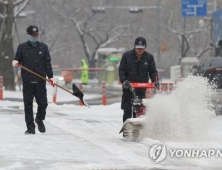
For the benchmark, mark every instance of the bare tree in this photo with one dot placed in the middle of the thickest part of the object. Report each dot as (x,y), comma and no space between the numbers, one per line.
(185,39)
(9,10)
(92,33)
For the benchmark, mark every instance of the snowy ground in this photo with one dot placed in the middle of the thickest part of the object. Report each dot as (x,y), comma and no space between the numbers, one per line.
(80,138)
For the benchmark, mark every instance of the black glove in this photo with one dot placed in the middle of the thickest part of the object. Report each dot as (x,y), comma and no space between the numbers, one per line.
(126,84)
(157,84)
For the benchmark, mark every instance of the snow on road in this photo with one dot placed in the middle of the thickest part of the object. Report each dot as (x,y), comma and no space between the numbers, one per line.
(76,138)
(80,138)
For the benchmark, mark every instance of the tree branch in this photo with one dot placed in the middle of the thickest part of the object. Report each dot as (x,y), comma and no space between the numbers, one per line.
(78,28)
(187,35)
(169,27)
(3,16)
(21,8)
(81,34)
(57,36)
(188,47)
(181,32)
(92,36)
(58,50)
(109,41)
(113,39)
(88,19)
(194,31)
(201,53)
(96,32)
(18,2)
(2,29)
(4,2)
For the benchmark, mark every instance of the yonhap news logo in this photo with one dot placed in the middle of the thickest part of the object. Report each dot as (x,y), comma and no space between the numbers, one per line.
(158,152)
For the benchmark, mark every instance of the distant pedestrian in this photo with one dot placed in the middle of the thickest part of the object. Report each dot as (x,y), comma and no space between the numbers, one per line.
(35,56)
(84,72)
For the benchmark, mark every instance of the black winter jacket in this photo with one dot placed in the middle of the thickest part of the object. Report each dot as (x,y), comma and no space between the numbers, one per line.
(36,59)
(136,71)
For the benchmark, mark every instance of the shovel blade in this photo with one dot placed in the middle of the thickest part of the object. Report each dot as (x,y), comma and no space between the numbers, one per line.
(79,94)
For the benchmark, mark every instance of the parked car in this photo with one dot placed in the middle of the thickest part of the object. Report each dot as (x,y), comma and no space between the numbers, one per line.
(214,75)
(212,69)
(209,63)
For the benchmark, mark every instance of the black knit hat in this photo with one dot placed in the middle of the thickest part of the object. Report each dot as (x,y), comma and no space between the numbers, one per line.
(32,30)
(140,42)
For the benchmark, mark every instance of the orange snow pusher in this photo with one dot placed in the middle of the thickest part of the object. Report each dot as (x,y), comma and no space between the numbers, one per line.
(134,128)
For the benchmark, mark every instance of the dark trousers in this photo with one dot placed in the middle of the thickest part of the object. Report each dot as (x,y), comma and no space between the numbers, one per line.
(127,114)
(37,90)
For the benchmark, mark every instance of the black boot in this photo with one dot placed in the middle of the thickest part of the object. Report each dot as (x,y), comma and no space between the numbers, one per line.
(41,125)
(30,131)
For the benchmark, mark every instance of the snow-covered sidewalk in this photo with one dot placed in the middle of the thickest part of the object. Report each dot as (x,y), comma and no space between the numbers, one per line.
(80,138)
(76,138)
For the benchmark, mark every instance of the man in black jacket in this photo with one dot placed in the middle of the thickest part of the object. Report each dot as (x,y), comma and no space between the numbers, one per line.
(136,65)
(35,56)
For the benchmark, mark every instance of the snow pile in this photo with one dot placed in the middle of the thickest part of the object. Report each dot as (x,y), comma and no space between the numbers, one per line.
(183,115)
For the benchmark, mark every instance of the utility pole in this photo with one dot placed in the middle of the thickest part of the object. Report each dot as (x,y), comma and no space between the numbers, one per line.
(215,5)
(34,15)
(183,44)
(183,38)
(214,8)
(158,30)
(43,24)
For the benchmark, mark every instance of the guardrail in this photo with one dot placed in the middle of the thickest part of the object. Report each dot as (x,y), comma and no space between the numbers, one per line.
(107,90)
(1,87)
(165,88)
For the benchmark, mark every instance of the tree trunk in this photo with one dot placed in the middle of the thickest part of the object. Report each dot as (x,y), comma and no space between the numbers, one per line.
(92,64)
(6,48)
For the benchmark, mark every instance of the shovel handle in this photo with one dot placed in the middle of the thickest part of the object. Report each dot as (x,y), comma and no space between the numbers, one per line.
(36,74)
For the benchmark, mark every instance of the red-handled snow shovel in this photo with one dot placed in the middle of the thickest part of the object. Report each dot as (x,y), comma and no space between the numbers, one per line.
(76,92)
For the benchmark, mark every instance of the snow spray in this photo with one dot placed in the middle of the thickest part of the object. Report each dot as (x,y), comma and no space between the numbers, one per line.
(183,115)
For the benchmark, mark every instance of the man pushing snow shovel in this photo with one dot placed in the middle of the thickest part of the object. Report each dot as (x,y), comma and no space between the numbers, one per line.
(34,59)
